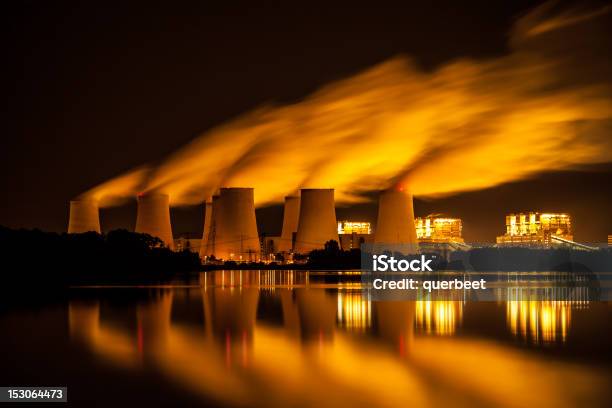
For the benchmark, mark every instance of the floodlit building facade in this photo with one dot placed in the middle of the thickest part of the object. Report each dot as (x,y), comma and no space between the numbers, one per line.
(536,228)
(357,227)
(354,233)
(436,228)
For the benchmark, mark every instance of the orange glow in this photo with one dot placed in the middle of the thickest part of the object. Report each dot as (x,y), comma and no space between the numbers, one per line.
(435,228)
(357,227)
(539,321)
(236,360)
(354,312)
(438,317)
(470,124)
(536,227)
(118,190)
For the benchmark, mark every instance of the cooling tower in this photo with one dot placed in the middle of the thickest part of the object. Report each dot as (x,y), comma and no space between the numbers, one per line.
(153,217)
(212,230)
(236,234)
(206,232)
(291,214)
(395,223)
(84,216)
(317,220)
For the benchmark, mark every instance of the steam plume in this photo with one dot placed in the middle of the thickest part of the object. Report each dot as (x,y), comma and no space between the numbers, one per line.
(546,105)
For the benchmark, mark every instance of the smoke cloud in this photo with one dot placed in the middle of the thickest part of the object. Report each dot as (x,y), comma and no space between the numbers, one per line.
(471,124)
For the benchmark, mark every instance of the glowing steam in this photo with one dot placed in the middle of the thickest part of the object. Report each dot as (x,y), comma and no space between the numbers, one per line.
(546,105)
(119,189)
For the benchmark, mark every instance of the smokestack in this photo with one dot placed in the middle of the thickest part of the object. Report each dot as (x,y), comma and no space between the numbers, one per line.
(84,216)
(206,232)
(236,234)
(291,214)
(395,223)
(153,217)
(317,220)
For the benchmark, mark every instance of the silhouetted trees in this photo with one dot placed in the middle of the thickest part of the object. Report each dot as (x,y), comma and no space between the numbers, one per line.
(46,258)
(332,257)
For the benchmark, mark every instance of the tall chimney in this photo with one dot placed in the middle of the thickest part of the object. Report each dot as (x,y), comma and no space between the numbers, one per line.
(211,240)
(395,223)
(317,220)
(84,216)
(153,217)
(236,234)
(291,214)
(208,208)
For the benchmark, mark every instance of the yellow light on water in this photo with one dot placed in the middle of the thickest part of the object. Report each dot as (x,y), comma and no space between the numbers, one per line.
(539,321)
(354,311)
(438,317)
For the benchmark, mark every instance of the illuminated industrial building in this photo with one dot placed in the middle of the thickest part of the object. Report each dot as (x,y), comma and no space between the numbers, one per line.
(354,233)
(357,227)
(536,228)
(436,228)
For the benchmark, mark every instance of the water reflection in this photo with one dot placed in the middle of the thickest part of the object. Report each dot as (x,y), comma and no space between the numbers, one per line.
(539,321)
(278,339)
(438,317)
(545,321)
(354,311)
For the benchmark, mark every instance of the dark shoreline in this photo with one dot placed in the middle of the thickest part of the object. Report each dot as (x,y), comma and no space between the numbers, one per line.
(33,258)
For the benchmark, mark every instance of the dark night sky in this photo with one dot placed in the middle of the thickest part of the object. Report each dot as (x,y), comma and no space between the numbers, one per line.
(96,89)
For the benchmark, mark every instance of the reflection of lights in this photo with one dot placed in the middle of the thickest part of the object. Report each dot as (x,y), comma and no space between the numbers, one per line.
(272,279)
(268,279)
(438,317)
(280,370)
(539,321)
(354,312)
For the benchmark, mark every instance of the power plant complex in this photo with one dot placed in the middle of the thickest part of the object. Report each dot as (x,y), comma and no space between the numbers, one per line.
(309,221)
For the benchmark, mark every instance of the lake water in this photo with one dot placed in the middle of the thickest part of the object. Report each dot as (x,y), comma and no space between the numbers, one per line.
(296,338)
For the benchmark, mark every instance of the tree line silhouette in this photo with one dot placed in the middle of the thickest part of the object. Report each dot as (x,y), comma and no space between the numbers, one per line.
(47,258)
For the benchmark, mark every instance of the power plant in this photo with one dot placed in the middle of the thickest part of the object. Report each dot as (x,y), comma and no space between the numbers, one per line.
(395,223)
(153,217)
(235,233)
(230,229)
(206,229)
(84,216)
(317,221)
(291,215)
